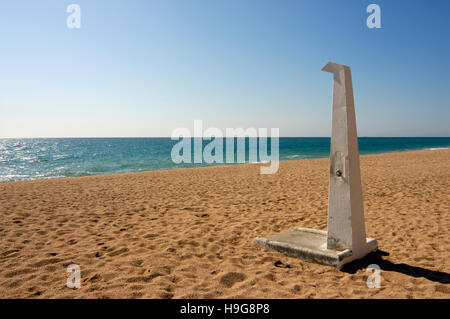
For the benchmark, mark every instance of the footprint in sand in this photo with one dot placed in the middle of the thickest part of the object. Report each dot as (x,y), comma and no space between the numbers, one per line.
(231,278)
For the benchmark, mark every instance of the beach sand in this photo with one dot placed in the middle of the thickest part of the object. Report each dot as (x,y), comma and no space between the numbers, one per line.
(188,233)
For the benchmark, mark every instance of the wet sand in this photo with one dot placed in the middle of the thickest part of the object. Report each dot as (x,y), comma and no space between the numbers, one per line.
(188,233)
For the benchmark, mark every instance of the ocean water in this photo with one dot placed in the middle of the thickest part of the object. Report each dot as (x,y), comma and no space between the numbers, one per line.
(27,159)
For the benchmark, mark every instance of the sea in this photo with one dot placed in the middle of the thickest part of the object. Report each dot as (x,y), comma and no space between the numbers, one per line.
(42,158)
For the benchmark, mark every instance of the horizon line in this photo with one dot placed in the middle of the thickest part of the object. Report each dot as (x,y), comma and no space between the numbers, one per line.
(169,137)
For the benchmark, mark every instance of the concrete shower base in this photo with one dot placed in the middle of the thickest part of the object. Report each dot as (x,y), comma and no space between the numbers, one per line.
(311,245)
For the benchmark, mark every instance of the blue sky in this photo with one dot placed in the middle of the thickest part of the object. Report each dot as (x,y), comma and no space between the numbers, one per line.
(144,68)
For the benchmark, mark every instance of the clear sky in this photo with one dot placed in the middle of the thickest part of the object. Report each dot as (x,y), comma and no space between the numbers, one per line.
(144,68)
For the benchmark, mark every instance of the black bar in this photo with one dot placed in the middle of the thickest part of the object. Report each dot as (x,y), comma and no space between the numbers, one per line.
(215,308)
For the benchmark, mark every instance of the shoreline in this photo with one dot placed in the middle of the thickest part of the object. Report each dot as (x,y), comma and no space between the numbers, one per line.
(218,165)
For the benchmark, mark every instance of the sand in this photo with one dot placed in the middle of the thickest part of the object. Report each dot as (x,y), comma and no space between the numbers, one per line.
(188,233)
